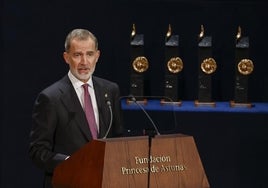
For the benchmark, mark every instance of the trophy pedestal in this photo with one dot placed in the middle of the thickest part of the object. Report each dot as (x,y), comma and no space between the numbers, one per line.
(197,103)
(140,101)
(238,104)
(165,102)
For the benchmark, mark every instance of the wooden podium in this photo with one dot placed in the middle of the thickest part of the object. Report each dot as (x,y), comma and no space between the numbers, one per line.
(173,161)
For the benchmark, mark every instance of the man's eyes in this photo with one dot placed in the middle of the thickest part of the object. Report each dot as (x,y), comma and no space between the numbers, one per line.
(79,54)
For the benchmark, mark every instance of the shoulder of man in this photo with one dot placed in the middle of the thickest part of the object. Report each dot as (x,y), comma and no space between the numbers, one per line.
(57,86)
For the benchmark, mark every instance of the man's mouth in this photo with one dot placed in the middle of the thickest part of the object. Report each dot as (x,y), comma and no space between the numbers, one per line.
(83,70)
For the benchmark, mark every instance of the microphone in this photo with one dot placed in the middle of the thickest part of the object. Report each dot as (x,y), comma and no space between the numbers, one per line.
(108,102)
(149,137)
(147,115)
(172,106)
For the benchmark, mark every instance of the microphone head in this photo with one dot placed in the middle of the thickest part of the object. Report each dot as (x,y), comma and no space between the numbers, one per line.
(132,98)
(108,102)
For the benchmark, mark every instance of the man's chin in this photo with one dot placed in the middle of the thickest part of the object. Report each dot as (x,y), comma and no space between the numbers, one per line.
(84,77)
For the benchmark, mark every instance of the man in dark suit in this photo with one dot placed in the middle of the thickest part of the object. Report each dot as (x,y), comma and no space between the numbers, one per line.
(60,126)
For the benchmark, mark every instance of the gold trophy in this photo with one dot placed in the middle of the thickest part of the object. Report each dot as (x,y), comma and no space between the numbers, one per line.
(207,67)
(243,69)
(173,70)
(139,66)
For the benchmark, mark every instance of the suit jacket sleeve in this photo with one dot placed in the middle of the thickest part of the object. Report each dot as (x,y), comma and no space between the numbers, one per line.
(42,134)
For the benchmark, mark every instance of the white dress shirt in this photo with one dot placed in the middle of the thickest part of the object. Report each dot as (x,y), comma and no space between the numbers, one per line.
(77,84)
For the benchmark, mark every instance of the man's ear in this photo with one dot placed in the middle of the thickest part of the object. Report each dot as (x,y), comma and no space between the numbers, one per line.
(66,57)
(98,55)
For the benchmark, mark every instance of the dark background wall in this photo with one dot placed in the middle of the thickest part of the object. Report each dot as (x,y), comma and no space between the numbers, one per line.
(33,34)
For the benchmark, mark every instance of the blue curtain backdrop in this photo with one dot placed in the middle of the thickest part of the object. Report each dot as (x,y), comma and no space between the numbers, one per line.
(32,38)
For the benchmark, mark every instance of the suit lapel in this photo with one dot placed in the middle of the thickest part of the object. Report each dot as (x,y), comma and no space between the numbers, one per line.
(72,104)
(102,107)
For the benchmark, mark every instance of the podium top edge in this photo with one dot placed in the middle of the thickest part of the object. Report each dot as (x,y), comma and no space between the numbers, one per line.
(171,135)
(123,138)
(142,137)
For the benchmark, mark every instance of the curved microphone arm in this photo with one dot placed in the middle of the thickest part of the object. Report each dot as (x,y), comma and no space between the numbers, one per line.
(134,98)
(147,115)
(111,119)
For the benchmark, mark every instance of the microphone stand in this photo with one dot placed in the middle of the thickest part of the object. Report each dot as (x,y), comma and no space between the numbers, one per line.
(132,99)
(151,134)
(111,119)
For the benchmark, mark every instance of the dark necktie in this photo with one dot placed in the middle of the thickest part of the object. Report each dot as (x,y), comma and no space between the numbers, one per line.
(88,108)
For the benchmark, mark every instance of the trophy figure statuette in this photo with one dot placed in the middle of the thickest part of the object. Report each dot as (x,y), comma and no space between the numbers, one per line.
(206,68)
(243,69)
(173,70)
(138,65)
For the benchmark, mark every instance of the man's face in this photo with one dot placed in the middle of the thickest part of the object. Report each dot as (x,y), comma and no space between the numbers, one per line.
(82,58)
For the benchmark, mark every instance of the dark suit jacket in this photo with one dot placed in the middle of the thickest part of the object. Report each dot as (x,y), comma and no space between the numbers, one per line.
(59,123)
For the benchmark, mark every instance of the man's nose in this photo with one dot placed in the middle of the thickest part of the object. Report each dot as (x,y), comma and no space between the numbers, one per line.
(83,59)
